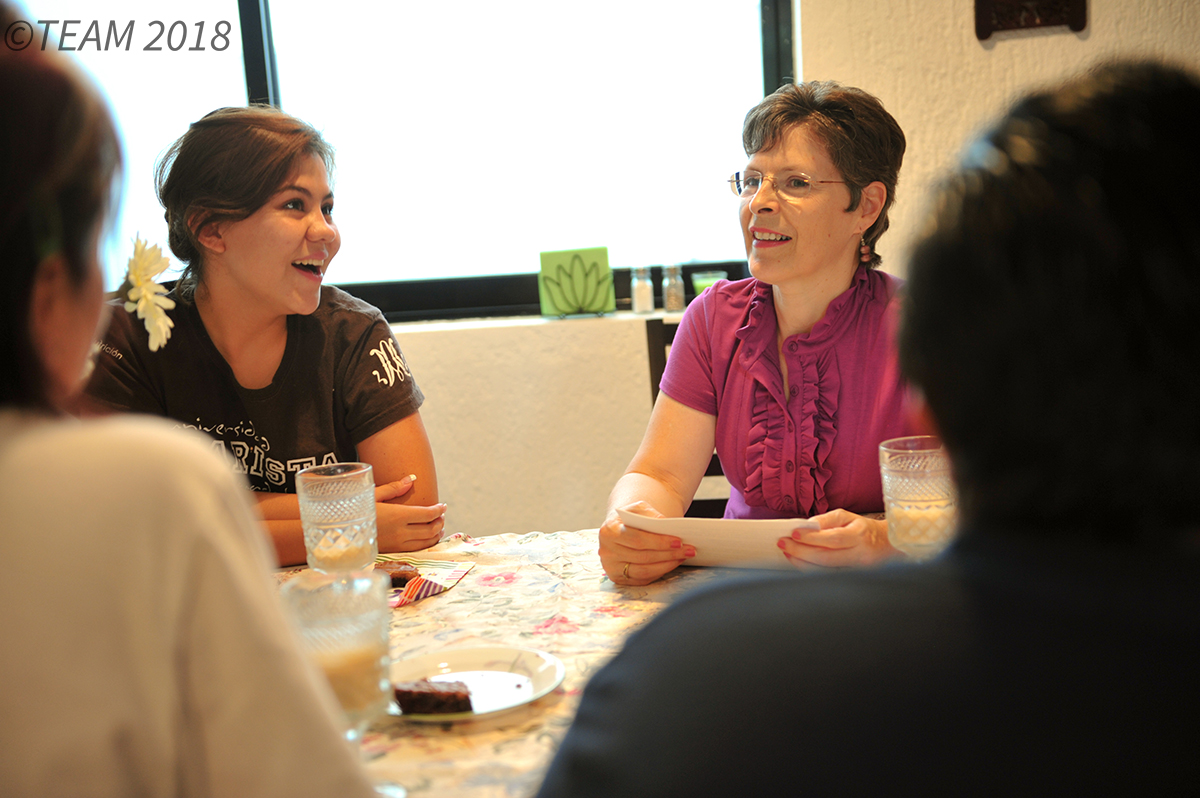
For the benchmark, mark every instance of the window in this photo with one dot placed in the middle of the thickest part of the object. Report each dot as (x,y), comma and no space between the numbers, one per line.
(489,132)
(470,136)
(154,94)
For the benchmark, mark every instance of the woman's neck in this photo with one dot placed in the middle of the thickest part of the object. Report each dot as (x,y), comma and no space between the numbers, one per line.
(801,303)
(251,342)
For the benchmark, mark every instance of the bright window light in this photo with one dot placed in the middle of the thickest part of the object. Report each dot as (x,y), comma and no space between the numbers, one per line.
(154,94)
(471,136)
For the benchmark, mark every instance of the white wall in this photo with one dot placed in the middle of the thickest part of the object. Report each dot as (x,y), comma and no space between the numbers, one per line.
(921,58)
(531,420)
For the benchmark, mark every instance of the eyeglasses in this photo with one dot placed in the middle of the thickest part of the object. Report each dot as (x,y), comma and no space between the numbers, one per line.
(792,187)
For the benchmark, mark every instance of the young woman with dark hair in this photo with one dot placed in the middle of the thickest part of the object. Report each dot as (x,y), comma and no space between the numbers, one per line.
(281,369)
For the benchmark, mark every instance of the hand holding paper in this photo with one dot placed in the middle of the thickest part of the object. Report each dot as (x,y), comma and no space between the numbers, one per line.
(841,539)
(735,543)
(633,556)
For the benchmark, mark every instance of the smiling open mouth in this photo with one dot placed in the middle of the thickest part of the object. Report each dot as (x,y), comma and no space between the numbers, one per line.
(770,237)
(309,266)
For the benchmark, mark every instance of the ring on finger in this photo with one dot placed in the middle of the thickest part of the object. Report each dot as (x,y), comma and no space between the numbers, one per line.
(625,570)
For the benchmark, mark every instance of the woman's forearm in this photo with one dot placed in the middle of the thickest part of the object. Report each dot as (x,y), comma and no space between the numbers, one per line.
(287,536)
(671,461)
(636,486)
(400,528)
(280,513)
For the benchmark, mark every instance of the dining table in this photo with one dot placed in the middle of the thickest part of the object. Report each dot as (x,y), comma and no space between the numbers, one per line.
(544,591)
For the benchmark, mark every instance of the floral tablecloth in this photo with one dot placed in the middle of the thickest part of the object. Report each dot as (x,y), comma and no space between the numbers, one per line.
(539,590)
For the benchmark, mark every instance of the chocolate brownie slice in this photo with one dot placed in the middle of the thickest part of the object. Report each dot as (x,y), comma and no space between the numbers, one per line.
(400,572)
(423,697)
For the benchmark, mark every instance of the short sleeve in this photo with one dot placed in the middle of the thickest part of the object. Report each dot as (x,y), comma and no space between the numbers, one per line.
(688,378)
(379,387)
(120,380)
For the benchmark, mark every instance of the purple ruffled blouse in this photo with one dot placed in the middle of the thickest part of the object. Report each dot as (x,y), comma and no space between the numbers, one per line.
(810,446)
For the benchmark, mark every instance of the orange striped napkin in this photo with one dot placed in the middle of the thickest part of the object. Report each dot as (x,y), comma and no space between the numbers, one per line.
(435,576)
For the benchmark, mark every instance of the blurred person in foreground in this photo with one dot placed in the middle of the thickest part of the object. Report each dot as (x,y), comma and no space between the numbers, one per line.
(1050,322)
(144,651)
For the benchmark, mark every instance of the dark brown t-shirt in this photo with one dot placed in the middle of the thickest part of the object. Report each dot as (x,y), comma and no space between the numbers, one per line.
(342,379)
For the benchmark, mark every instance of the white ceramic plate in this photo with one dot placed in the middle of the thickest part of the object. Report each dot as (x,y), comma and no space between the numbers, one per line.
(499,677)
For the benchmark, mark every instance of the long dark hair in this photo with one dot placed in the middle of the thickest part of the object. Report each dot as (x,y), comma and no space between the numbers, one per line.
(59,158)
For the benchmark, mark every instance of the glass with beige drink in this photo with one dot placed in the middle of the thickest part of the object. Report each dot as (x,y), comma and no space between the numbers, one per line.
(918,494)
(344,621)
(337,512)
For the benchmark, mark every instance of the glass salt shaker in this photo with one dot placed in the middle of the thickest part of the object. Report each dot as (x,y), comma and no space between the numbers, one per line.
(672,284)
(641,290)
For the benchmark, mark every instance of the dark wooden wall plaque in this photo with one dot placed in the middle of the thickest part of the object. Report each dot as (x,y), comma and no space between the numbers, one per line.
(994,15)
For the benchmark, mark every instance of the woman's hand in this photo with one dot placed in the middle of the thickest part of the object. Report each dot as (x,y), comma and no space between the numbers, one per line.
(844,540)
(404,527)
(636,557)
(408,514)
(660,481)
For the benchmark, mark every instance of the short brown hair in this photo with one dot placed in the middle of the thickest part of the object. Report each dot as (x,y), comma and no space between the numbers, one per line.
(864,142)
(224,169)
(59,159)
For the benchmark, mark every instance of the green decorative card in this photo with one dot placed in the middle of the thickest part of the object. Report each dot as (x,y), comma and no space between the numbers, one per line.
(576,281)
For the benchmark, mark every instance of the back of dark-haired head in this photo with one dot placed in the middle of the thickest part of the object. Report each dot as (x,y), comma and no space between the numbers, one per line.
(863,140)
(59,155)
(225,168)
(1052,308)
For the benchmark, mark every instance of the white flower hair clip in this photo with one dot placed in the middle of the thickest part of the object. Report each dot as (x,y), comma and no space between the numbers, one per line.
(146,296)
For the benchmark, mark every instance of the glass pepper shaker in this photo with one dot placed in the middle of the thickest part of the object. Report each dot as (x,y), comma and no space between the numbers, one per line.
(672,284)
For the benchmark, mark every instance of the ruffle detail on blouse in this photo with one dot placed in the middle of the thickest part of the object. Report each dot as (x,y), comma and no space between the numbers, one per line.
(761,306)
(768,482)
(760,469)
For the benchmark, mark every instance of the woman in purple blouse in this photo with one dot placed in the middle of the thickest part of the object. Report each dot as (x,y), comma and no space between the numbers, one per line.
(791,374)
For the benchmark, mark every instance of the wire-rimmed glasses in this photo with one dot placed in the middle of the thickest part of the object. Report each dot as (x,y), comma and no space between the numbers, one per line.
(791,186)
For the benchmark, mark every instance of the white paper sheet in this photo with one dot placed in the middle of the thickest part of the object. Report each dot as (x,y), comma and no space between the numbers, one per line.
(733,543)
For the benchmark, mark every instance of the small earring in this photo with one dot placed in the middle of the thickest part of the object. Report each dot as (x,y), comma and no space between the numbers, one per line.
(864,250)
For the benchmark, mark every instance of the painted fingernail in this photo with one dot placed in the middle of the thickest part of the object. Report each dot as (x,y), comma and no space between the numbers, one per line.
(689,552)
(781,543)
(676,543)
